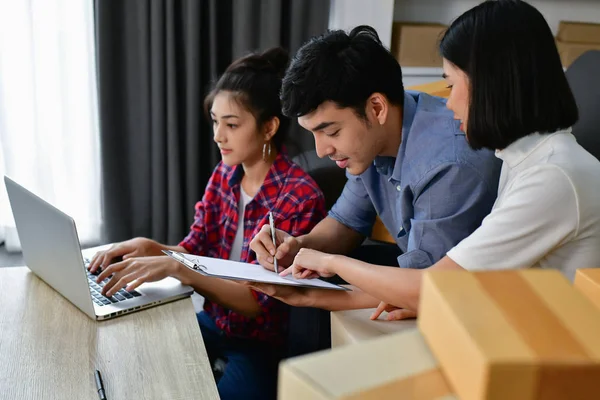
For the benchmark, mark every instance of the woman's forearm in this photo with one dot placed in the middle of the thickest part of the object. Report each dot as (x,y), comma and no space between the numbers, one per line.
(334,300)
(393,285)
(400,287)
(226,293)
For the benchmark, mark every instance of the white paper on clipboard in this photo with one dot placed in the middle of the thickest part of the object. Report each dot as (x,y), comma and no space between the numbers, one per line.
(240,271)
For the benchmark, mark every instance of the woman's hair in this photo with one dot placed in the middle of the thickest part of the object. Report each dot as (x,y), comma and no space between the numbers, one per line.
(255,81)
(517,84)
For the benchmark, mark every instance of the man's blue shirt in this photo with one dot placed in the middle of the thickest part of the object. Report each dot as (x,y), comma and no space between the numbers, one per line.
(433,194)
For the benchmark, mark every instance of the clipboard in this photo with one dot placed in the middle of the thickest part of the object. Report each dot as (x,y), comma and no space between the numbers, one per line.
(240,271)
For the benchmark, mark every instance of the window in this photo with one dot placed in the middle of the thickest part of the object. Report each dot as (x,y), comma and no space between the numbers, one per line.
(49,139)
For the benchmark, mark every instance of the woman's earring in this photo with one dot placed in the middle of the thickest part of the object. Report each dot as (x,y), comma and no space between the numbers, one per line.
(266,153)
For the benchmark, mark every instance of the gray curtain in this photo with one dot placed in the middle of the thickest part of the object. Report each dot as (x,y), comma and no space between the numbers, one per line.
(156,60)
(260,24)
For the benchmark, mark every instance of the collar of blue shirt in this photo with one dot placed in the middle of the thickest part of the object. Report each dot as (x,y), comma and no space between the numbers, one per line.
(392,166)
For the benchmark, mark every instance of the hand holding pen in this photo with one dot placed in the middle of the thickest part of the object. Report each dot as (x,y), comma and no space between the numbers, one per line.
(283,249)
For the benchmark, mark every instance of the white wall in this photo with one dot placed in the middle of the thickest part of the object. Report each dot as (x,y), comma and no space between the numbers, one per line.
(444,11)
(346,14)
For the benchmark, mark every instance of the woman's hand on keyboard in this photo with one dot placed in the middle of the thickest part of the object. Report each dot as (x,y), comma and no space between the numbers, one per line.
(134,271)
(138,247)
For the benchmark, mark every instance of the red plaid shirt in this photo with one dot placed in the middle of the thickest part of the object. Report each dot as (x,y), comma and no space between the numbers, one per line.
(297,205)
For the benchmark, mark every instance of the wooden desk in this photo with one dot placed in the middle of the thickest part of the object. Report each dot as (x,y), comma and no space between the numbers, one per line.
(440,89)
(348,327)
(49,349)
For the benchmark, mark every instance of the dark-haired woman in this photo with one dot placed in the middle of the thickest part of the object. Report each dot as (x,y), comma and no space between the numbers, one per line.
(244,327)
(511,95)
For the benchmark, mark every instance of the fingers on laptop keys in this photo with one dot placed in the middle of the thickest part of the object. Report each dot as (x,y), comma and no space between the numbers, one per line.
(120,275)
(97,261)
(108,272)
(101,260)
(104,258)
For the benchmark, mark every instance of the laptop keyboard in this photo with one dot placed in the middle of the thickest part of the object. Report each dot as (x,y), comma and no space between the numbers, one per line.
(96,290)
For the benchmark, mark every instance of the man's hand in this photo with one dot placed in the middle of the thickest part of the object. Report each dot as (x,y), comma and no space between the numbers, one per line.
(288,294)
(138,271)
(138,247)
(394,313)
(310,264)
(287,248)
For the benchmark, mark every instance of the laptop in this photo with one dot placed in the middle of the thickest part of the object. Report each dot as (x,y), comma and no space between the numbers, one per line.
(52,251)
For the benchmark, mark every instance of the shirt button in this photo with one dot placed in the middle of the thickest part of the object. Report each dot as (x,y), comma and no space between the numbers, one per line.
(398,188)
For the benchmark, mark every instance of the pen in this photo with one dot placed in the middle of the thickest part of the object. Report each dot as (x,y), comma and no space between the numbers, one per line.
(272,223)
(99,386)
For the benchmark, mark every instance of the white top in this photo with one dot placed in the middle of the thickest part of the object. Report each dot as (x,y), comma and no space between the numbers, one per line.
(238,241)
(547,214)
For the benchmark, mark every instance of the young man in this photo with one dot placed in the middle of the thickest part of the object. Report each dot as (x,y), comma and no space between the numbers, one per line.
(405,156)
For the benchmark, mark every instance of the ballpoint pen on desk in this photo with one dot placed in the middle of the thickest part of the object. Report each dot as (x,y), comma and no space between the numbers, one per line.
(100,386)
(272,223)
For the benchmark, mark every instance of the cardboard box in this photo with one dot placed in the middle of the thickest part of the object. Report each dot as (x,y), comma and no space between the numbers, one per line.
(416,44)
(587,281)
(396,366)
(354,326)
(525,334)
(569,52)
(579,32)
(438,88)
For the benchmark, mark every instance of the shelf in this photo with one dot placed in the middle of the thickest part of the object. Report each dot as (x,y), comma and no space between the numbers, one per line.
(412,76)
(423,71)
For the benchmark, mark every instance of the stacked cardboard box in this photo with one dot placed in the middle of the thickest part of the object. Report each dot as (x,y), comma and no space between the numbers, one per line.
(416,44)
(396,366)
(512,334)
(587,281)
(575,38)
(488,335)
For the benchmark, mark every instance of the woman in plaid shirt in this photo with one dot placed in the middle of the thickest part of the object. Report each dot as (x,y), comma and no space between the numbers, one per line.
(245,327)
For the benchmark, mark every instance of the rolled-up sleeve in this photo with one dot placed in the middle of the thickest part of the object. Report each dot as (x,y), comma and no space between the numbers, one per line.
(354,208)
(449,204)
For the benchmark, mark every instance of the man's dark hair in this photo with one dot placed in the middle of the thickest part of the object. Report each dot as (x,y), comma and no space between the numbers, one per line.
(255,81)
(343,68)
(517,84)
